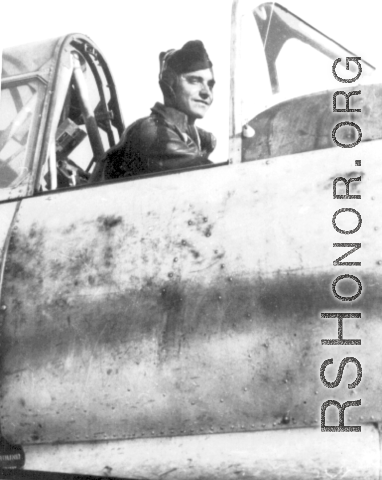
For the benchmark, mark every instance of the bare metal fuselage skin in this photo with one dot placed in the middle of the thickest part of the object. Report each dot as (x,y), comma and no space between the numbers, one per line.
(171,325)
(132,317)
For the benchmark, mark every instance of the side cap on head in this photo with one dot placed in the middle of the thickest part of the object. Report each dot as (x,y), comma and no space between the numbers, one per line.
(190,58)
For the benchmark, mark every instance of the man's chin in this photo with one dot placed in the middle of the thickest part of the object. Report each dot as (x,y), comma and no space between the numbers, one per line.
(198,114)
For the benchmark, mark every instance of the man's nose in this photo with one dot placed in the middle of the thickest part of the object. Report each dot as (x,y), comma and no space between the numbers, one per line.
(205,92)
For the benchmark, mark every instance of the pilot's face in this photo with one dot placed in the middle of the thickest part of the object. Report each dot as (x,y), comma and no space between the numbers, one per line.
(194,93)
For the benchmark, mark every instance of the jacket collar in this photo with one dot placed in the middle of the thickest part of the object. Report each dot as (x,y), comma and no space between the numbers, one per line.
(172,116)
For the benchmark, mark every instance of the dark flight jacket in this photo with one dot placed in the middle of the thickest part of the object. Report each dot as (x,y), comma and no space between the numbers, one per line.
(163,141)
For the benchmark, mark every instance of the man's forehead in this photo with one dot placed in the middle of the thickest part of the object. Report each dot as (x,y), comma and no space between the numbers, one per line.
(206,74)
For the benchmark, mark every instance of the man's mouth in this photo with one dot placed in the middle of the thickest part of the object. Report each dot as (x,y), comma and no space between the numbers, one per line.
(202,101)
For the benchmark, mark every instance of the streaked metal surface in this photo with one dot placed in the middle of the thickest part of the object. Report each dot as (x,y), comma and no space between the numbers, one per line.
(187,303)
(306,123)
(283,455)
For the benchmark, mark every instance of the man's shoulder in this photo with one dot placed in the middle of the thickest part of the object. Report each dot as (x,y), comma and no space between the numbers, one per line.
(136,126)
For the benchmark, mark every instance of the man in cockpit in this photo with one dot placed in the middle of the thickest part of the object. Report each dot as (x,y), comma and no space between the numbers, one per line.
(168,139)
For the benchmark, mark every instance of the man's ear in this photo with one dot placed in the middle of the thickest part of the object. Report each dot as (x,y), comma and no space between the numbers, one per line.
(167,90)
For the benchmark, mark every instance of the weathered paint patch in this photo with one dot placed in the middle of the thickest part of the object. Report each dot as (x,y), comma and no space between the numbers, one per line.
(186,356)
(107,223)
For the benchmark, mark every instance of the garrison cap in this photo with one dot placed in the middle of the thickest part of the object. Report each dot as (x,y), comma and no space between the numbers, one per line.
(191,57)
